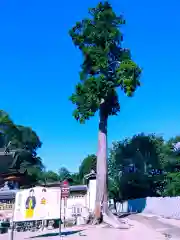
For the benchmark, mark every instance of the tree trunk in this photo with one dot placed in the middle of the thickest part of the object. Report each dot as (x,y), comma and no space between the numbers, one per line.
(102,213)
(101,178)
(115,204)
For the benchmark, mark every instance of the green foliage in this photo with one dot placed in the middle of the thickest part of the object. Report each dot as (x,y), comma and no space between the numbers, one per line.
(75,179)
(7,129)
(87,165)
(172,185)
(49,176)
(106,64)
(26,139)
(25,142)
(64,174)
(144,165)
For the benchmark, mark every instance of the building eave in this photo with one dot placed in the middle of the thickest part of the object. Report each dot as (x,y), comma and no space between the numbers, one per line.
(75,188)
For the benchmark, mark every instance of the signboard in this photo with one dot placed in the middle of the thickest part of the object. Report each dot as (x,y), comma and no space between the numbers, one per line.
(64,189)
(37,204)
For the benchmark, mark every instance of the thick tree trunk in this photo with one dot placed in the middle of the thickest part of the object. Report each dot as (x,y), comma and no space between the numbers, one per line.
(101,178)
(101,207)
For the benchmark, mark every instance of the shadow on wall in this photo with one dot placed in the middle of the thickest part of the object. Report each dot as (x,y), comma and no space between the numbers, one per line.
(136,205)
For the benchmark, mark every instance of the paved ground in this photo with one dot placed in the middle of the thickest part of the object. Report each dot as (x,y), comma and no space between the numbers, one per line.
(138,231)
(167,227)
(143,227)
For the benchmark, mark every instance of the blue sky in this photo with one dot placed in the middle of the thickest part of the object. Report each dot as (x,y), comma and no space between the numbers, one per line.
(39,68)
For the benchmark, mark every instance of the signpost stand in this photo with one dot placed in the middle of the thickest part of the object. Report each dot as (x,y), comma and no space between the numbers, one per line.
(64,213)
(60,203)
(12,225)
(64,189)
(12,231)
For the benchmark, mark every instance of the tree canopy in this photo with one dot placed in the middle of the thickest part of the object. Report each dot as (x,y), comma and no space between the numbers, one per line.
(144,165)
(107,65)
(25,142)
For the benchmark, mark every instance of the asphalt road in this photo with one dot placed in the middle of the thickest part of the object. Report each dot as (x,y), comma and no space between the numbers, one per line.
(168,230)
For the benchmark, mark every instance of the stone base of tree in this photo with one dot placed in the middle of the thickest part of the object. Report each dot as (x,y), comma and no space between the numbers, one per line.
(111,220)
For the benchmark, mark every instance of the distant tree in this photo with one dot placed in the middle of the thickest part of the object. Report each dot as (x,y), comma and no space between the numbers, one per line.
(8,129)
(106,67)
(172,166)
(135,167)
(75,179)
(87,165)
(49,176)
(64,174)
(27,139)
(172,187)
(25,142)
(171,155)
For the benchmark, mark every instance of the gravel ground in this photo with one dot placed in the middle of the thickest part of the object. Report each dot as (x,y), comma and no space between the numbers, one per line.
(137,232)
(167,229)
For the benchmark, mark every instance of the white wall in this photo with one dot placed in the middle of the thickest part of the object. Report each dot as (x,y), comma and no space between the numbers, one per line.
(76,204)
(167,207)
(91,195)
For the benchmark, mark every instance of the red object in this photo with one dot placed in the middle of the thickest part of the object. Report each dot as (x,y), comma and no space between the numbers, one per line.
(64,189)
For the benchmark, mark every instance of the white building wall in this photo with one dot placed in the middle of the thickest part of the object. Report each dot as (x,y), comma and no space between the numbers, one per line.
(167,207)
(75,205)
(91,195)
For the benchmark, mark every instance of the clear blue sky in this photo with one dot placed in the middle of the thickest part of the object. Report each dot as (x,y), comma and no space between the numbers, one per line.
(39,67)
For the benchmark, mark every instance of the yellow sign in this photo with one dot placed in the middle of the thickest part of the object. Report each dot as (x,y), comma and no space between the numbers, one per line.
(43,201)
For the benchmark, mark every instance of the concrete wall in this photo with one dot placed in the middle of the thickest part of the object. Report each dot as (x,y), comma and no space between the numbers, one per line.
(75,205)
(80,204)
(91,195)
(167,207)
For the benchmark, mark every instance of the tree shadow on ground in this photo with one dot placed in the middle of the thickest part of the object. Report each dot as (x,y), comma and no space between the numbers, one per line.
(123,215)
(67,233)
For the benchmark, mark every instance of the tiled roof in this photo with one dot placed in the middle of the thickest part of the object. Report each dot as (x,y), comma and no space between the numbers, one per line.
(72,188)
(8,194)
(78,188)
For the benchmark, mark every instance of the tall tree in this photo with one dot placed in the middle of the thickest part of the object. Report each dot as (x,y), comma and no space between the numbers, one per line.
(106,66)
